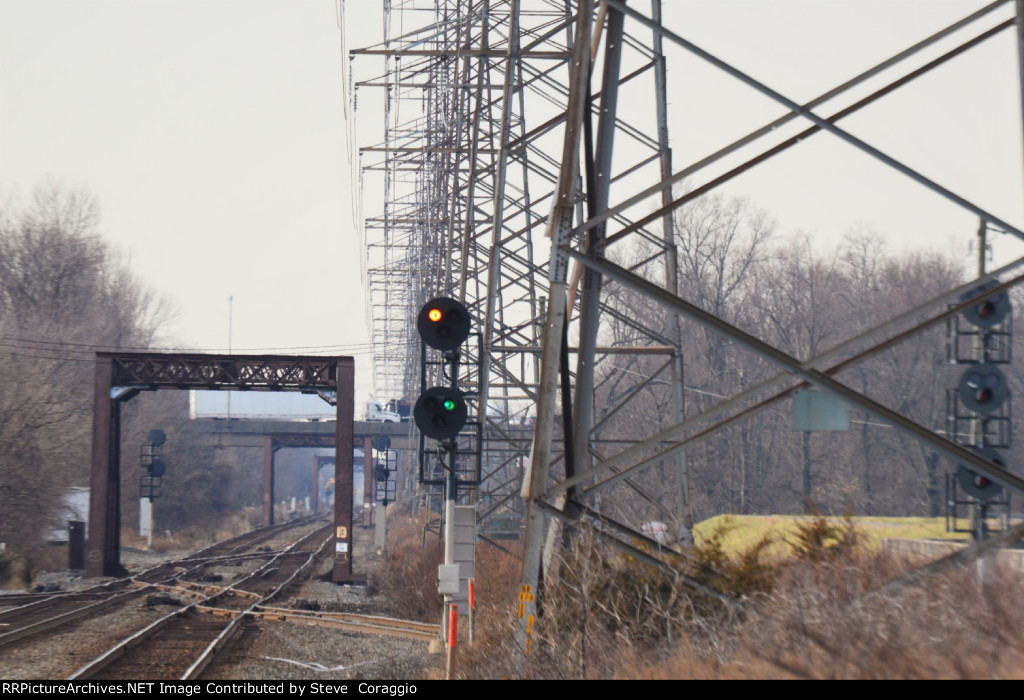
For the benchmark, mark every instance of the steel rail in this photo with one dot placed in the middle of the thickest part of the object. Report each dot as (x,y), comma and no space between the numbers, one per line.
(108,597)
(371,624)
(63,618)
(138,638)
(234,626)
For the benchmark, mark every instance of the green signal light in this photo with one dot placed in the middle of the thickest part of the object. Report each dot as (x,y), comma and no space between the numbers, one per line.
(449,405)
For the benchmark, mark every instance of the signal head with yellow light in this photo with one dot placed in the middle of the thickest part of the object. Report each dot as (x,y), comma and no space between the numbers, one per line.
(440,413)
(443,323)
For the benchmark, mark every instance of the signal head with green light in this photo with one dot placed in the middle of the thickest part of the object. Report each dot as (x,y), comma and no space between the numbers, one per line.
(440,413)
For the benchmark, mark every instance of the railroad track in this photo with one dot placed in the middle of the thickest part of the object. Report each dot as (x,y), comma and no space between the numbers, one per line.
(352,622)
(239,543)
(181,644)
(38,613)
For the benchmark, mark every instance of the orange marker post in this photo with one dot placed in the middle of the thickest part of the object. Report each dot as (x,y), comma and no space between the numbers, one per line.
(453,633)
(472,608)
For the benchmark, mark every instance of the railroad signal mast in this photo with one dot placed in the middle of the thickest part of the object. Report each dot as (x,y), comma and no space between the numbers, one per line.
(442,414)
(978,409)
(151,481)
(384,469)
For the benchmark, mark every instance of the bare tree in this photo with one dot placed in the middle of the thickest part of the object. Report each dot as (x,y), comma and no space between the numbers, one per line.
(63,295)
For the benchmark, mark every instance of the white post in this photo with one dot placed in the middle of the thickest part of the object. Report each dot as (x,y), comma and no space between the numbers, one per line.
(146,520)
(380,534)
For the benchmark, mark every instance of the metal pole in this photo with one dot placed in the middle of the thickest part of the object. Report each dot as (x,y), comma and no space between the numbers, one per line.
(590,298)
(268,480)
(367,481)
(979,508)
(674,331)
(343,457)
(102,550)
(559,226)
(450,494)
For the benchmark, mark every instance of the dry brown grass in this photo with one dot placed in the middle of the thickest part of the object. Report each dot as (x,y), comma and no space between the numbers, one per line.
(212,529)
(821,622)
(809,616)
(19,572)
(408,573)
(497,581)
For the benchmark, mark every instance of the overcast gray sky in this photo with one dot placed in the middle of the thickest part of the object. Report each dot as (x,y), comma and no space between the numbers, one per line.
(212,133)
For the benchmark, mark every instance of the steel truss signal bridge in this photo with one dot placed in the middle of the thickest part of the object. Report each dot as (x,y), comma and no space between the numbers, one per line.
(510,152)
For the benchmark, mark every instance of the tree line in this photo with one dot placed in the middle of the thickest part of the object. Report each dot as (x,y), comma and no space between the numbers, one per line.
(803,297)
(66,293)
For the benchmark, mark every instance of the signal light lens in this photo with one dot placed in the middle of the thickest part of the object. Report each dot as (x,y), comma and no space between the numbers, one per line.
(440,413)
(983,389)
(988,312)
(978,485)
(443,323)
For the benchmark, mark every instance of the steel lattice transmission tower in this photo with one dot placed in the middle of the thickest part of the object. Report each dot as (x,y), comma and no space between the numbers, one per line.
(474,98)
(525,143)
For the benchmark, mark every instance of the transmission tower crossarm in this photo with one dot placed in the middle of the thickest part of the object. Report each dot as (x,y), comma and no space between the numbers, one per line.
(446,53)
(667,182)
(819,121)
